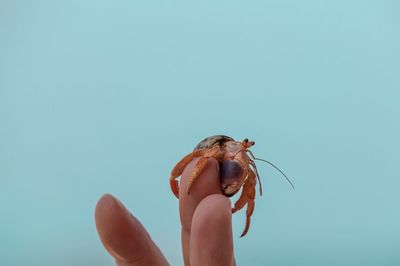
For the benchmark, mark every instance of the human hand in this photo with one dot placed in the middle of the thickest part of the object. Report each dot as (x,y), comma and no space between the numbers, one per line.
(206,225)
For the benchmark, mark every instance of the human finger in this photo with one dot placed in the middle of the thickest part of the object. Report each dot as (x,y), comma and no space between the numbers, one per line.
(211,240)
(123,236)
(207,183)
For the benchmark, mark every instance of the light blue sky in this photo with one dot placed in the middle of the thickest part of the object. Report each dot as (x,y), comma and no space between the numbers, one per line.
(106,96)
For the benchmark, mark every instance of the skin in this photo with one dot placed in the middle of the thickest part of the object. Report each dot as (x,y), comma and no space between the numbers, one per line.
(206,220)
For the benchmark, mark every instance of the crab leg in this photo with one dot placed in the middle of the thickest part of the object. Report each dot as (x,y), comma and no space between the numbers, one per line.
(239,204)
(253,164)
(198,169)
(247,197)
(201,164)
(250,194)
(249,212)
(178,169)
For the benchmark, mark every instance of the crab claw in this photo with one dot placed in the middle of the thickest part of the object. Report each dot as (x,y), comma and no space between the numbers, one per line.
(230,189)
(231,173)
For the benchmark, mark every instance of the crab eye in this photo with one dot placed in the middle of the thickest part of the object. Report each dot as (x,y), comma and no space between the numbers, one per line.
(245,140)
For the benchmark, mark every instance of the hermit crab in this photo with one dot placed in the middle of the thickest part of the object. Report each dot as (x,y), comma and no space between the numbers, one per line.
(236,166)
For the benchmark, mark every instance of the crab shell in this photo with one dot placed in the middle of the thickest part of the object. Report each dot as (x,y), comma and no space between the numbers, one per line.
(232,166)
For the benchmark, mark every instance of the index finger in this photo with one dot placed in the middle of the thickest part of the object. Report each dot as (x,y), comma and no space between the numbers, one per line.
(124,237)
(206,184)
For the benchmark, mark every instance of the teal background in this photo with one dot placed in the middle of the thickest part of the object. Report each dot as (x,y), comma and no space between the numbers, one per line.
(106,96)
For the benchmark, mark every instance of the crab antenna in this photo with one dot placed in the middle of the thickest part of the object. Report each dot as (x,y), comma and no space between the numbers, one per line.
(258,159)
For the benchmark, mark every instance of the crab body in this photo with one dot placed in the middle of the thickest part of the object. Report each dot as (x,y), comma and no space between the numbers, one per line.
(237,170)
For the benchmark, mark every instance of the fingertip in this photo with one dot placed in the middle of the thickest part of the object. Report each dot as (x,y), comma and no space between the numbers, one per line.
(106,201)
(123,236)
(213,163)
(120,232)
(211,240)
(109,210)
(106,197)
(214,208)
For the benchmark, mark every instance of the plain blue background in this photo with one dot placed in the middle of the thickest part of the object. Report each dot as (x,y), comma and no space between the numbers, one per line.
(106,96)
